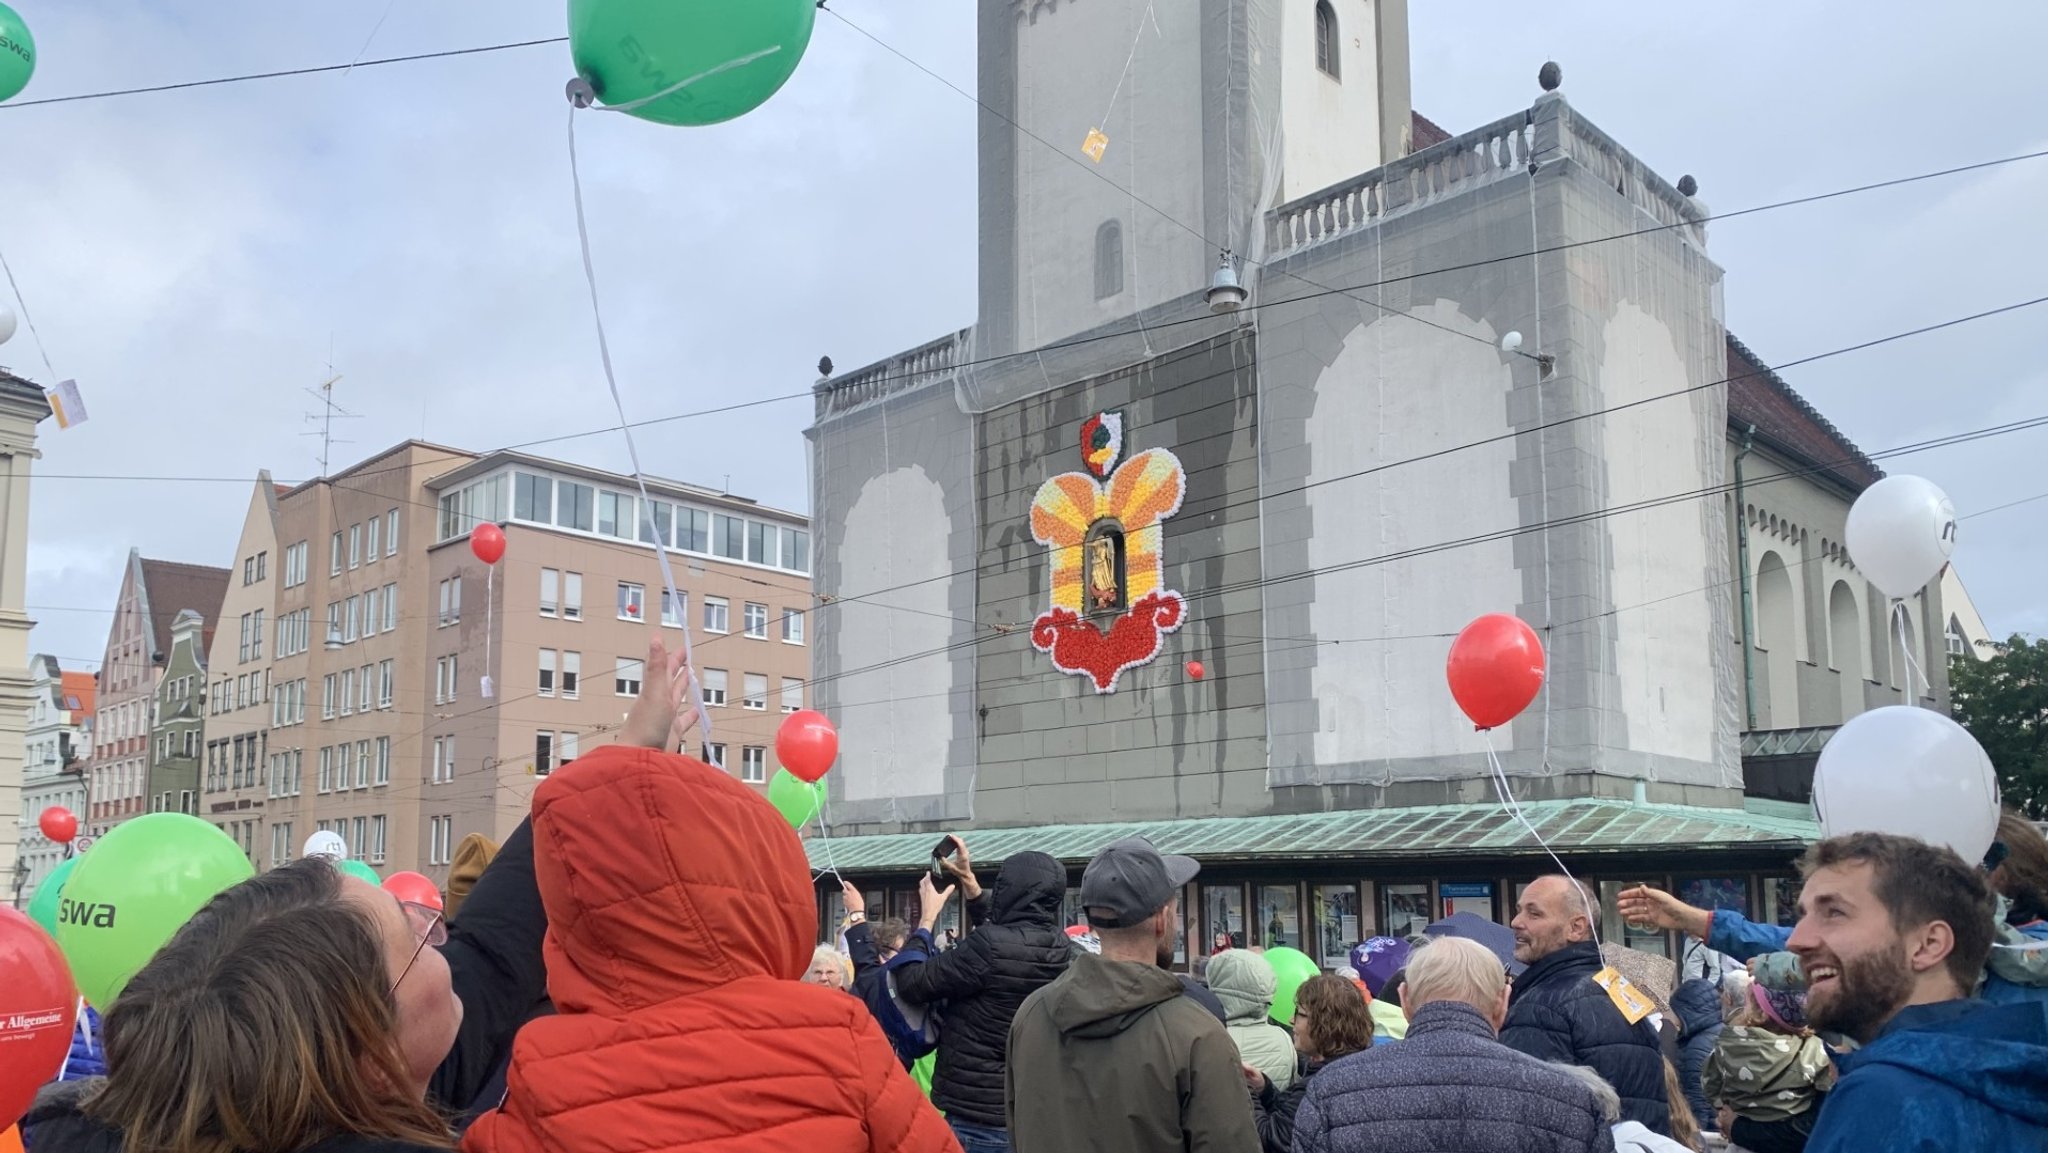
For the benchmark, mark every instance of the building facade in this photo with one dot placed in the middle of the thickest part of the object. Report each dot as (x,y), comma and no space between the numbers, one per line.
(22,407)
(561,628)
(58,741)
(153,593)
(239,704)
(177,730)
(1486,376)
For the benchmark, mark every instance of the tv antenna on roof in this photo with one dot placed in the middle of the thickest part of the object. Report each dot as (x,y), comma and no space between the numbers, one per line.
(328,414)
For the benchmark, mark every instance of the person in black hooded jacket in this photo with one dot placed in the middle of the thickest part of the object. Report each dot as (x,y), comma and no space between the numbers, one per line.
(1558,1013)
(1698,1005)
(1016,948)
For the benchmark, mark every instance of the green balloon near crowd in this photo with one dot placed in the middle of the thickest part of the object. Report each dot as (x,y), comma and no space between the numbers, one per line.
(1290,968)
(17,54)
(634,49)
(138,887)
(795,800)
(43,909)
(359,871)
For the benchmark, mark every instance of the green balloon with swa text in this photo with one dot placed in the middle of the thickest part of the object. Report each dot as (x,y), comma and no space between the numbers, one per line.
(135,890)
(17,54)
(43,908)
(632,49)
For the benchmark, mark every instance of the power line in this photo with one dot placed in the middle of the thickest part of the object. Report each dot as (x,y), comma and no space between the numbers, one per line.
(219,80)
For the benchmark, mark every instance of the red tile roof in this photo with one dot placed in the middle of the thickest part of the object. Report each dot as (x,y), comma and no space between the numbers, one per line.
(1787,425)
(174,587)
(82,686)
(1424,132)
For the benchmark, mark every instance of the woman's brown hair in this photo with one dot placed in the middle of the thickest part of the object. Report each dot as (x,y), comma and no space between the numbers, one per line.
(2023,872)
(1339,1022)
(1685,1128)
(266,1025)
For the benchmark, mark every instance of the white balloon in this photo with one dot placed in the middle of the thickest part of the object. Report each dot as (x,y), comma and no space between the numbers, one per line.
(1910,771)
(329,844)
(6,324)
(1901,532)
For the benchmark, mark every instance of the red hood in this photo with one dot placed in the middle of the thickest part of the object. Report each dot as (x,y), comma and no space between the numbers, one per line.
(664,877)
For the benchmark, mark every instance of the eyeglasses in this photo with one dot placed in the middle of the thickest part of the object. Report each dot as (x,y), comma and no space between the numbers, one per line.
(430,925)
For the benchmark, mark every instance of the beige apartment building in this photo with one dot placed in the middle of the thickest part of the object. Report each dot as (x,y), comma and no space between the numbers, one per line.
(371,719)
(562,629)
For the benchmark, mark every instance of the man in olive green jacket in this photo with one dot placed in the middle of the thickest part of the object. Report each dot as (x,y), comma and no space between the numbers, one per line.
(1110,1057)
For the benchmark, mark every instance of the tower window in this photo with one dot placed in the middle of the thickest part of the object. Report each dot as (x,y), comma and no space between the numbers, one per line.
(1109,260)
(1326,38)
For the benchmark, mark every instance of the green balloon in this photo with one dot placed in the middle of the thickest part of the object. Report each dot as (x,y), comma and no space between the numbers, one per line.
(795,800)
(43,909)
(137,887)
(632,49)
(18,53)
(1290,968)
(360,872)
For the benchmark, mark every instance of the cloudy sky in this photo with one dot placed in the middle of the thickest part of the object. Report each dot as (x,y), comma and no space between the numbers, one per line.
(195,259)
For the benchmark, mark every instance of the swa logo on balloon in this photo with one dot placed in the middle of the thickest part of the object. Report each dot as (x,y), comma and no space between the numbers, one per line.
(70,912)
(18,48)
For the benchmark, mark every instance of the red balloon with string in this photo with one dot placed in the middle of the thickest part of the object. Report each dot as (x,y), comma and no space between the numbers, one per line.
(1496,669)
(59,824)
(487,541)
(38,1003)
(807,744)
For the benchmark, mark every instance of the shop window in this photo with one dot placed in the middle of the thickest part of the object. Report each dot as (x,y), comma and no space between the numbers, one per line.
(1223,918)
(1279,916)
(1335,908)
(1404,908)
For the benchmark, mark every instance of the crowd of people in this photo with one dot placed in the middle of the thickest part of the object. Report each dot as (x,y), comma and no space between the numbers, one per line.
(636,967)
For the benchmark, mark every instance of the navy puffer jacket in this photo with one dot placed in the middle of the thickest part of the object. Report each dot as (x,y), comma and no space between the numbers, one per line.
(1559,1014)
(1017,950)
(1698,1005)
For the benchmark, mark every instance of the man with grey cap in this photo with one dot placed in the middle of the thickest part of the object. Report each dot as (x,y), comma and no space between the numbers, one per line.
(1110,1057)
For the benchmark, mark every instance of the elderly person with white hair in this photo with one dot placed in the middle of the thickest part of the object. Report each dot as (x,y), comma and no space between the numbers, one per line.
(1451,1084)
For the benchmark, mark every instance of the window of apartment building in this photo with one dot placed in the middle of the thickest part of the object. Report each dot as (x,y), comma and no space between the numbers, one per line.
(572,596)
(242,647)
(295,565)
(326,784)
(533,498)
(360,843)
(451,601)
(714,687)
(281,844)
(626,679)
(674,610)
(446,679)
(348,692)
(754,764)
(188,804)
(728,536)
(792,626)
(792,694)
(239,697)
(383,761)
(334,556)
(760,542)
(717,615)
(714,755)
(372,609)
(370,554)
(256,636)
(333,622)
(693,529)
(366,687)
(351,619)
(390,607)
(377,834)
(545,685)
(572,675)
(755,617)
(391,533)
(355,545)
(632,602)
(657,523)
(796,550)
(1326,39)
(441,841)
(573,506)
(543,753)
(362,764)
(327,697)
(615,515)
(444,760)
(755,691)
(550,591)
(565,748)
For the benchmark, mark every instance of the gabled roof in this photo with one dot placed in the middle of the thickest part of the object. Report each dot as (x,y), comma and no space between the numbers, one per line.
(1424,132)
(169,587)
(81,686)
(1787,425)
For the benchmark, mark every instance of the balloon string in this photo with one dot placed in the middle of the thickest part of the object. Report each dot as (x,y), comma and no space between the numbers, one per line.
(679,85)
(1508,802)
(22,302)
(1913,672)
(668,576)
(490,621)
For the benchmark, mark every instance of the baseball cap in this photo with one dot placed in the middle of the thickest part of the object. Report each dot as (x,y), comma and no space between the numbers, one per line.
(1129,880)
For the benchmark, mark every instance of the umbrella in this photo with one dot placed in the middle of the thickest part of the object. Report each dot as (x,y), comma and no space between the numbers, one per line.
(1498,939)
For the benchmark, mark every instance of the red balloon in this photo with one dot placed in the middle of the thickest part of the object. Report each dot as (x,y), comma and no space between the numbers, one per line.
(1196,670)
(38,1005)
(415,889)
(1496,669)
(59,824)
(807,744)
(487,541)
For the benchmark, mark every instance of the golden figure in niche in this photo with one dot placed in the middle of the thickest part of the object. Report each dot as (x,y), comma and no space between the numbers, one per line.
(1102,586)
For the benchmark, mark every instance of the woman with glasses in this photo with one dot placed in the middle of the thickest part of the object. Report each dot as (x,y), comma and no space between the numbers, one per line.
(1330,1021)
(303,1010)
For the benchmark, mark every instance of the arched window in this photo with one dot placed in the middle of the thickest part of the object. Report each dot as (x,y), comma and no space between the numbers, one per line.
(1777,630)
(1958,644)
(1326,39)
(1109,260)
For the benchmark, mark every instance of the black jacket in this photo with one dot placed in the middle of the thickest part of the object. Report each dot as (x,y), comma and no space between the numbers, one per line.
(1018,949)
(1698,1005)
(1273,1109)
(1560,1014)
(495,966)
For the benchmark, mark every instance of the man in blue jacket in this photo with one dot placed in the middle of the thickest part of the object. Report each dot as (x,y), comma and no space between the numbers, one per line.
(1892,935)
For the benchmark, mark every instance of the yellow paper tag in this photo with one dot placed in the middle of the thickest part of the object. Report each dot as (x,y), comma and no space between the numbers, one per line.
(1626,997)
(1095,145)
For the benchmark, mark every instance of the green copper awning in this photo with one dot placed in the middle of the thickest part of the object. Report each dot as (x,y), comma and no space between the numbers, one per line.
(1578,826)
